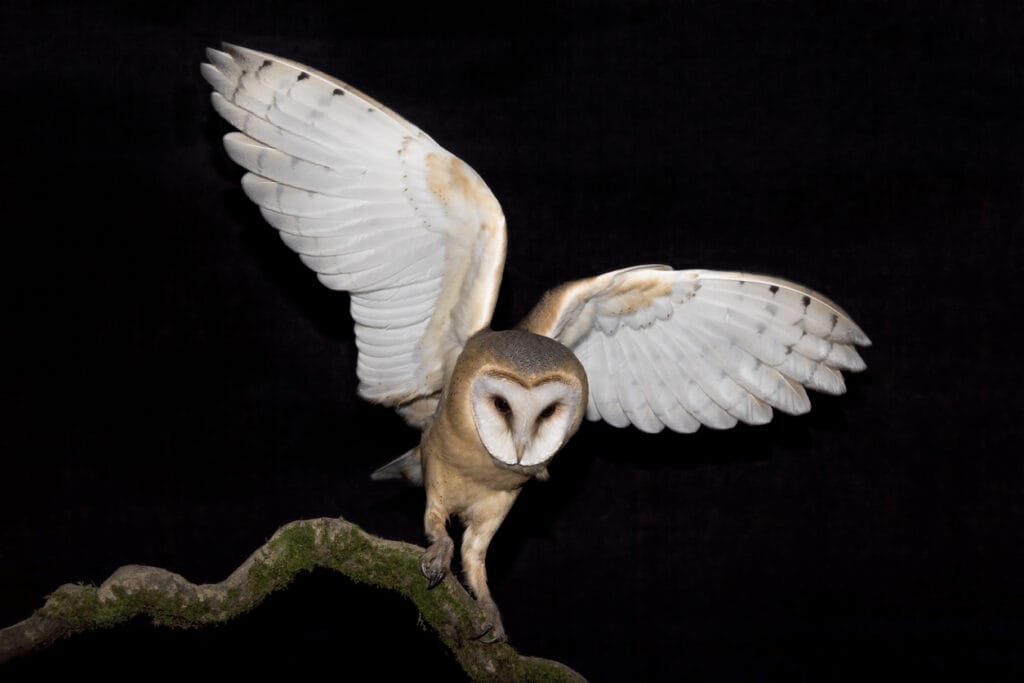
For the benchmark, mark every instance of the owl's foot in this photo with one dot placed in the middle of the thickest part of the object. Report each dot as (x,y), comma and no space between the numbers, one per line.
(436,560)
(493,630)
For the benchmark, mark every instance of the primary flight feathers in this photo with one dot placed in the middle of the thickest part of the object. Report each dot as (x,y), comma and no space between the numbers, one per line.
(377,208)
(678,349)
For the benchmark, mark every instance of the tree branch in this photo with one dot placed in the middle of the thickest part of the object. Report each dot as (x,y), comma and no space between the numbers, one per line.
(171,600)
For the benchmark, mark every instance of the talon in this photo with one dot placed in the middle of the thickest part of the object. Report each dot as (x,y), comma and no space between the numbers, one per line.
(437,578)
(492,625)
(497,634)
(434,564)
(433,570)
(495,638)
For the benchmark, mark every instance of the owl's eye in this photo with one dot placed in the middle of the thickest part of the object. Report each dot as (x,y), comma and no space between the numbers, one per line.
(548,412)
(501,405)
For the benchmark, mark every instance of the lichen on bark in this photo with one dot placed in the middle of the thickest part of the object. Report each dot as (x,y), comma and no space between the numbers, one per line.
(333,543)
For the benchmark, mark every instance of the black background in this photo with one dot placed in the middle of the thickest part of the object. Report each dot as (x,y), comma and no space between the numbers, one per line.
(176,385)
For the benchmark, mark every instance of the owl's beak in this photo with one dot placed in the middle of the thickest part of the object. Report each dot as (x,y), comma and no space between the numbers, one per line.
(520,441)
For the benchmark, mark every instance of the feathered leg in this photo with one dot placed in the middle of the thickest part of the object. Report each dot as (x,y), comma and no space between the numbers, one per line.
(438,558)
(482,522)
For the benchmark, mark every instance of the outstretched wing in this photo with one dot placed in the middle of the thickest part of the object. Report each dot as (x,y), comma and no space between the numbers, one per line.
(681,348)
(375,207)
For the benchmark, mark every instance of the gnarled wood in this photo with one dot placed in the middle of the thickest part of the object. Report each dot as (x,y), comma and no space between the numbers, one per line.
(171,600)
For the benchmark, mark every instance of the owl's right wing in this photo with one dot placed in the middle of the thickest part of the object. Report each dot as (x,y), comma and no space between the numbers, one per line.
(376,208)
(682,348)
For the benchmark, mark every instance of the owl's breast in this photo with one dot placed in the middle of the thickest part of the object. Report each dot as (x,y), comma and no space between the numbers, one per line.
(457,466)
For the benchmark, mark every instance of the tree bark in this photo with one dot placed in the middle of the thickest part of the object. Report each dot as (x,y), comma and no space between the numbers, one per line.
(171,600)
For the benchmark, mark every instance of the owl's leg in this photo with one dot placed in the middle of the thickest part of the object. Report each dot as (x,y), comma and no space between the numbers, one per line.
(438,558)
(481,525)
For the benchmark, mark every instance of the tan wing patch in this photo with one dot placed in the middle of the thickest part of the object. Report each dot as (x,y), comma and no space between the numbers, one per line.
(640,294)
(374,207)
(451,181)
(564,313)
(684,348)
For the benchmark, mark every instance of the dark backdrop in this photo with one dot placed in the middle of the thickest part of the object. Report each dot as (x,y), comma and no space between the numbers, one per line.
(175,385)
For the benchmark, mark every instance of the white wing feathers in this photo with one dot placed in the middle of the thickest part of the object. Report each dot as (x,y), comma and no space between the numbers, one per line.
(374,206)
(377,208)
(685,348)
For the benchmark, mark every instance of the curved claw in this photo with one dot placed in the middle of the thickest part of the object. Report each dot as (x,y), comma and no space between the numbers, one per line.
(433,579)
(483,632)
(492,625)
(432,570)
(494,638)
(435,561)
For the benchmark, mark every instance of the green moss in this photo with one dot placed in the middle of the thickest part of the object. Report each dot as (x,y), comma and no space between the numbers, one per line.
(233,596)
(448,610)
(349,552)
(292,552)
(353,553)
(79,608)
(176,612)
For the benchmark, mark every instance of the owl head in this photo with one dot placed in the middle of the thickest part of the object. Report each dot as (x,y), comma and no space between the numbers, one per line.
(526,395)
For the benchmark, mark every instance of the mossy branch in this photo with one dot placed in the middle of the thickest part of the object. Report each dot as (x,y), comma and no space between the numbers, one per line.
(171,600)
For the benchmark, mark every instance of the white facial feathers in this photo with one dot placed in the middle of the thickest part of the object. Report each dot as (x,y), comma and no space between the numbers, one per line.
(521,425)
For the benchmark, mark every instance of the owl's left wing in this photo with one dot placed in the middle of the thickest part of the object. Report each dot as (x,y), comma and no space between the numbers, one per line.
(690,347)
(376,207)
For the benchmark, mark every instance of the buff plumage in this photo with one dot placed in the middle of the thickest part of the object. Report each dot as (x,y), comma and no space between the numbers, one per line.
(379,209)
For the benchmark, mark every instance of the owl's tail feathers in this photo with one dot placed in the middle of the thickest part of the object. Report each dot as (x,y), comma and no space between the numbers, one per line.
(406,466)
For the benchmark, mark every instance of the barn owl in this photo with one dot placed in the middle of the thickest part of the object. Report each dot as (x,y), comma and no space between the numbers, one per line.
(379,209)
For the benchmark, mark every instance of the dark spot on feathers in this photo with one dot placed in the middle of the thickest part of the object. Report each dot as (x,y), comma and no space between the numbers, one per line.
(789,348)
(806,300)
(742,282)
(835,321)
(238,86)
(303,76)
(265,64)
(369,109)
(773,289)
(337,91)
